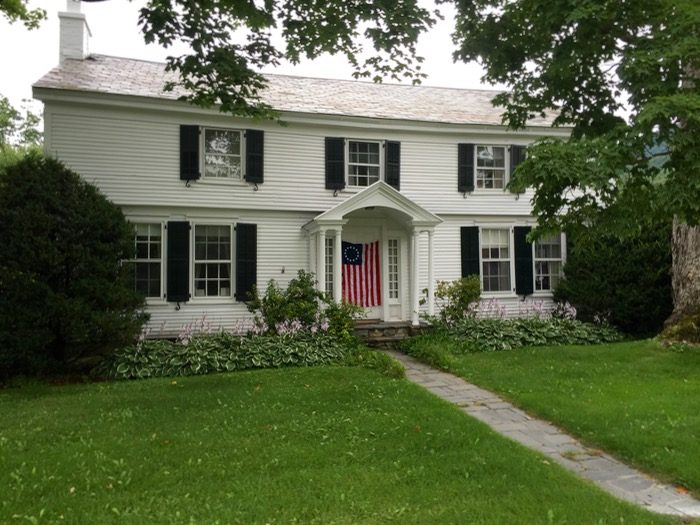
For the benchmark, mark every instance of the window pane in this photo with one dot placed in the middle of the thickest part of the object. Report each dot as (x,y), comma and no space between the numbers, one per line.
(222,141)
(142,250)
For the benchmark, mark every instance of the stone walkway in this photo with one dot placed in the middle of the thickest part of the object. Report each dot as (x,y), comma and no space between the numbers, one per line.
(616,478)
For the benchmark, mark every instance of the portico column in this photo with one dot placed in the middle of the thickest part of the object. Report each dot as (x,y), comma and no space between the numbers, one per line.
(338,266)
(321,261)
(414,280)
(431,278)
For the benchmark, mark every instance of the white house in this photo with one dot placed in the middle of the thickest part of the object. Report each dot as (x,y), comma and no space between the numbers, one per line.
(416,174)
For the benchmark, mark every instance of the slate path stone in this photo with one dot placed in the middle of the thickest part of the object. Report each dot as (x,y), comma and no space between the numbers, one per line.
(605,471)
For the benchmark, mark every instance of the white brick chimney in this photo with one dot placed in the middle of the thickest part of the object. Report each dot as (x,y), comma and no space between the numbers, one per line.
(75,32)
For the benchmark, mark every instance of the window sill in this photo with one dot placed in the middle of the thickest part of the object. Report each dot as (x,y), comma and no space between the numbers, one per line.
(499,295)
(212,300)
(221,182)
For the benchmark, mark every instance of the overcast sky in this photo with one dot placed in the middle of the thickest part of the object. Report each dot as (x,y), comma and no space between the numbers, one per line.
(27,55)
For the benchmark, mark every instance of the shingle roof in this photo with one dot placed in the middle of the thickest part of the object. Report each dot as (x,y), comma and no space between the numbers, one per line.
(124,76)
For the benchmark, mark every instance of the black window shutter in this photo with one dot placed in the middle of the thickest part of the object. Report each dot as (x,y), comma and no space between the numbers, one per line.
(178,262)
(465,167)
(517,155)
(335,163)
(254,150)
(393,164)
(246,260)
(523,261)
(189,152)
(470,250)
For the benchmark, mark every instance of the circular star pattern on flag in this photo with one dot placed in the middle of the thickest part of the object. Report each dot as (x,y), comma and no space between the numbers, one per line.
(352,254)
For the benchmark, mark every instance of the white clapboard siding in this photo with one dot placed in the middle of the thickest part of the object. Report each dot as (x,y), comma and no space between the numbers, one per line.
(133,157)
(282,252)
(448,264)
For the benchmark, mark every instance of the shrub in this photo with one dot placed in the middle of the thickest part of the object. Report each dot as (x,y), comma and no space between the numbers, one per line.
(301,307)
(626,282)
(225,352)
(455,299)
(64,293)
(488,335)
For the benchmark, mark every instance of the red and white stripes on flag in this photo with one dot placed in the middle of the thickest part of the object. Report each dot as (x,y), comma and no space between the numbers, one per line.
(361,274)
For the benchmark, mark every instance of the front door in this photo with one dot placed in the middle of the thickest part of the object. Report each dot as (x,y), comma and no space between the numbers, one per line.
(362,269)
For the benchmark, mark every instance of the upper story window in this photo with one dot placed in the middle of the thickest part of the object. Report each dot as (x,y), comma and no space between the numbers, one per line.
(490,167)
(148,260)
(495,260)
(212,260)
(364,163)
(548,263)
(222,153)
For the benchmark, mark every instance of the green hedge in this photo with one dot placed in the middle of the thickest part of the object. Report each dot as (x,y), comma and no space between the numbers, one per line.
(224,352)
(626,281)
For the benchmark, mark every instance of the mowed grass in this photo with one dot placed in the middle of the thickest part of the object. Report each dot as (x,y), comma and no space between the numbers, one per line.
(323,445)
(637,400)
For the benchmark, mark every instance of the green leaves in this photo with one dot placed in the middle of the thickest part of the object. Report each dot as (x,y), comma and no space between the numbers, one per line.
(223,352)
(231,40)
(473,334)
(16,10)
(584,62)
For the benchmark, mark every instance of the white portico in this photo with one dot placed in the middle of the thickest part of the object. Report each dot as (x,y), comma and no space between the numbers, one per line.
(377,216)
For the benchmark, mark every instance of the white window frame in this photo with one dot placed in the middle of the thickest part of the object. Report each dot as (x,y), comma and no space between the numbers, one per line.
(151,221)
(396,273)
(511,260)
(536,259)
(203,154)
(381,144)
(506,167)
(232,261)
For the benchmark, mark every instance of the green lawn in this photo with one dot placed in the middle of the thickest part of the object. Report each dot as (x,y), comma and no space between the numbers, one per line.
(322,445)
(637,400)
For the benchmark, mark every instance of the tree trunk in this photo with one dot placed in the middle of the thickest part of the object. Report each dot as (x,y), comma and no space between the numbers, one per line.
(685,270)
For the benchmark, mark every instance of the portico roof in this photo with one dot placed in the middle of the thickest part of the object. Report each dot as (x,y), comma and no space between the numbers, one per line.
(378,195)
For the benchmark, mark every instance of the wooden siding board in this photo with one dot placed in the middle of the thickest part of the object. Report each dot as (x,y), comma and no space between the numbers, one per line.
(93,143)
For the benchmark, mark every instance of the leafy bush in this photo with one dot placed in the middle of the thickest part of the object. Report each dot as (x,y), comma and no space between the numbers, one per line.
(455,299)
(224,352)
(64,293)
(627,282)
(488,335)
(301,307)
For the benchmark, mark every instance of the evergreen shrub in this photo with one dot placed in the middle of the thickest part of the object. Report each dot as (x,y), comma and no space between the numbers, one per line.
(626,282)
(64,292)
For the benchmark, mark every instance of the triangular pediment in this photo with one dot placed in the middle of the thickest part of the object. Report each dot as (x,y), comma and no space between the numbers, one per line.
(378,195)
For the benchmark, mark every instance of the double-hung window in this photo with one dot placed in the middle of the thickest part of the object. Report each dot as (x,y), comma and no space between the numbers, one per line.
(490,167)
(548,263)
(212,260)
(222,153)
(148,262)
(364,163)
(495,260)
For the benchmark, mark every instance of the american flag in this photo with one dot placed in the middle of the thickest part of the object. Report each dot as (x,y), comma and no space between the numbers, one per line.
(361,274)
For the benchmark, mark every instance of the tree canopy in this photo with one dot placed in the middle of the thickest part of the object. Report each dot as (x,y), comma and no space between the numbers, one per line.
(231,39)
(17,10)
(586,61)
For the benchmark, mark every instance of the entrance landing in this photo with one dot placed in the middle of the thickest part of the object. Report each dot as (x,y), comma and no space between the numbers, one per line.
(377,333)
